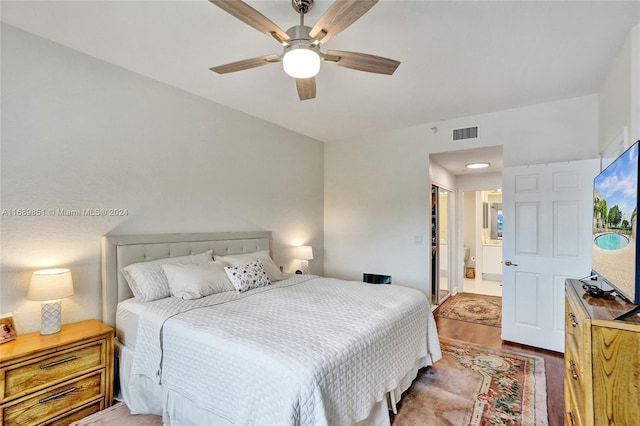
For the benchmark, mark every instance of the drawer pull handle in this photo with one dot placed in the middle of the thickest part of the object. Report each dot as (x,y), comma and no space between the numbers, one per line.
(572,370)
(61,361)
(574,320)
(58,395)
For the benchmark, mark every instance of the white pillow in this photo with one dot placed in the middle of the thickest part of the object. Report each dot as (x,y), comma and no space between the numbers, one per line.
(147,279)
(196,281)
(246,277)
(241,259)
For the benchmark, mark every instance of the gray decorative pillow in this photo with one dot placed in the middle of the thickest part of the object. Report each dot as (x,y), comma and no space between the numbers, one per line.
(246,277)
(196,281)
(148,281)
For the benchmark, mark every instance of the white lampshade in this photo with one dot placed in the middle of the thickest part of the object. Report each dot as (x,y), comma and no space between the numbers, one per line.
(50,284)
(305,253)
(301,62)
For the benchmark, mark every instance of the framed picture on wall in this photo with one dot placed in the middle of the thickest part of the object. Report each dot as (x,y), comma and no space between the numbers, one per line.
(7,329)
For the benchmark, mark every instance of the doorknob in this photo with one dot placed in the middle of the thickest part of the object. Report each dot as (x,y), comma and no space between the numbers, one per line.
(509,263)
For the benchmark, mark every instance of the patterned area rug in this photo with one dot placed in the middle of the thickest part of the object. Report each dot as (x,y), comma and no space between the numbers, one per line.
(475,385)
(469,307)
(119,414)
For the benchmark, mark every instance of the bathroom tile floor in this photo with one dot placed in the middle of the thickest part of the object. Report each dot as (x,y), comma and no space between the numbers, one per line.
(480,286)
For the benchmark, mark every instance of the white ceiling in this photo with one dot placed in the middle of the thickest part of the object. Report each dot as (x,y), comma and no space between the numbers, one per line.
(458,58)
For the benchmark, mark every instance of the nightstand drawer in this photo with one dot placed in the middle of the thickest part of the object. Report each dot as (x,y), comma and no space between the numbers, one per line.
(38,373)
(55,401)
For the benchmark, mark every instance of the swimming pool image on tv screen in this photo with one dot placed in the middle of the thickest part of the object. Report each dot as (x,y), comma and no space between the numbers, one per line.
(611,241)
(615,208)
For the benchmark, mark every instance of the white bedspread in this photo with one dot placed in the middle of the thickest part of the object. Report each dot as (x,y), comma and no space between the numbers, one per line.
(304,351)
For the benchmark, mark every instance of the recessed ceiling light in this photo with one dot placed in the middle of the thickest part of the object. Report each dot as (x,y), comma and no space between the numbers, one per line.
(477,165)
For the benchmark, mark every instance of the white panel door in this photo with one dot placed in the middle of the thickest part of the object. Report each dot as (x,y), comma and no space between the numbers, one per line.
(547,211)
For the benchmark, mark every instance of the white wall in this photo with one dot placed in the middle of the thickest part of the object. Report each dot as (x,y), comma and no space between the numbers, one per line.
(377,187)
(441,176)
(479,181)
(615,99)
(619,97)
(377,199)
(80,133)
(635,84)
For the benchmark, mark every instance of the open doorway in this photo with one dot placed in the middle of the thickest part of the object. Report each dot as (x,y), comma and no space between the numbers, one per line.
(482,242)
(448,169)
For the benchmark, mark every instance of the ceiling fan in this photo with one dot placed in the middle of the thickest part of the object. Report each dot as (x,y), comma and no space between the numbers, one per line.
(301,56)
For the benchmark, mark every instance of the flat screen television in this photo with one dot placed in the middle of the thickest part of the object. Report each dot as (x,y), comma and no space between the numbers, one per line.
(615,256)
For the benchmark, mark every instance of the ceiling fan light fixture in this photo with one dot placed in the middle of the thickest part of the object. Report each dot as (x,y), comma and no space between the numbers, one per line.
(301,62)
(301,55)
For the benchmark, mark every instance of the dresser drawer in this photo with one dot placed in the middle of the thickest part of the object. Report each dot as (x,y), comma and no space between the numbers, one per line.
(571,410)
(56,401)
(575,382)
(577,360)
(41,372)
(577,325)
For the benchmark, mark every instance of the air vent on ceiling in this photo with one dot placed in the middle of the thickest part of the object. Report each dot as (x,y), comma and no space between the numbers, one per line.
(465,133)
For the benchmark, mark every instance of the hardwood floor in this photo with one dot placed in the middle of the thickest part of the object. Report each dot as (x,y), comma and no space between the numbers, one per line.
(490,336)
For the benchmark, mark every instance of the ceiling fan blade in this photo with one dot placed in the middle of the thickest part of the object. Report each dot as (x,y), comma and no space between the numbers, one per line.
(363,62)
(306,88)
(251,17)
(245,64)
(339,16)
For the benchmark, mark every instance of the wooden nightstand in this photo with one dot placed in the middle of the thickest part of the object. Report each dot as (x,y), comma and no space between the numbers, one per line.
(58,378)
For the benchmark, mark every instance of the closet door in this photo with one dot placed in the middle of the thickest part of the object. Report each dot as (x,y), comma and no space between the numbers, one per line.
(440,247)
(435,251)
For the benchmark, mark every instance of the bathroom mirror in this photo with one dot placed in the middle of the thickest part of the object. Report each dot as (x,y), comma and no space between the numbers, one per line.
(492,216)
(495,221)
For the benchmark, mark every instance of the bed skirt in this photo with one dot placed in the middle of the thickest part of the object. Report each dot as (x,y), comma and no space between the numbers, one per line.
(143,396)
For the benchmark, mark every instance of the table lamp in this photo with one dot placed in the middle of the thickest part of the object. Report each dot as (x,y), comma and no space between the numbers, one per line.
(49,286)
(305,254)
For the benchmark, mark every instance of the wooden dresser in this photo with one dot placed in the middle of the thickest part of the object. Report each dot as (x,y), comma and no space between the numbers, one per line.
(58,378)
(602,360)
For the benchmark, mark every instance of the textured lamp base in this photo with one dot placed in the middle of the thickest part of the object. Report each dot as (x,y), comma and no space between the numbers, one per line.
(51,314)
(305,266)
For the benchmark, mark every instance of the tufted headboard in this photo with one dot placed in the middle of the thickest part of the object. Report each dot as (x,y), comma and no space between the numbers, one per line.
(119,251)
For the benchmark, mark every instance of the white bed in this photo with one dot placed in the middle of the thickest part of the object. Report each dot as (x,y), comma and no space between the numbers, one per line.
(305,350)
